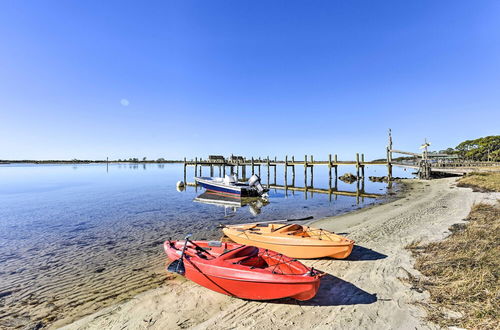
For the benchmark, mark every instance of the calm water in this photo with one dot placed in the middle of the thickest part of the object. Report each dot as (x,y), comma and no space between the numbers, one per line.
(74,238)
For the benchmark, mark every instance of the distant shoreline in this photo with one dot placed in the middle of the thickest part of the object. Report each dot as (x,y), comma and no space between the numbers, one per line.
(90,162)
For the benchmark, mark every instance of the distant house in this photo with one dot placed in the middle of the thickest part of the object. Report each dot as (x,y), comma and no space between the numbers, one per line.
(237,158)
(216,158)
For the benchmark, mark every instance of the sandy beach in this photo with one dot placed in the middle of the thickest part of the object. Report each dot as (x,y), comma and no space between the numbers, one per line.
(367,290)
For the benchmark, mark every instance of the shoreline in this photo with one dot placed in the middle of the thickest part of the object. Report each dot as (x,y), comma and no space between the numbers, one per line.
(364,291)
(100,243)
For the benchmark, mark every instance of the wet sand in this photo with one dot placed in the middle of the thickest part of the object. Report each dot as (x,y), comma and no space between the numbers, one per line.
(364,291)
(41,286)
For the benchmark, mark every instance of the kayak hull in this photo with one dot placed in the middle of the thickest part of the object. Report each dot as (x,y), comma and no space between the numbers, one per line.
(253,290)
(299,251)
(237,280)
(295,246)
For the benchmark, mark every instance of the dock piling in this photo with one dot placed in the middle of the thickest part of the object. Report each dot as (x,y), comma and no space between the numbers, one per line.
(363,166)
(305,173)
(286,171)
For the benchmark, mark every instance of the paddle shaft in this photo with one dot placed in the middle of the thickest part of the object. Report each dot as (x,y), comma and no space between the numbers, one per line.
(182,254)
(272,221)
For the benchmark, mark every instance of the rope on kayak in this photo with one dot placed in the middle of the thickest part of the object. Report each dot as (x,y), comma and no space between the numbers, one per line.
(208,278)
(275,269)
(280,262)
(321,233)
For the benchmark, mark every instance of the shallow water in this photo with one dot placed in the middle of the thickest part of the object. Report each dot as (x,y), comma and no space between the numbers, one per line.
(75,238)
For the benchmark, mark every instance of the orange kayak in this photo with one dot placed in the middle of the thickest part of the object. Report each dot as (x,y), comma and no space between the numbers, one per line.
(293,240)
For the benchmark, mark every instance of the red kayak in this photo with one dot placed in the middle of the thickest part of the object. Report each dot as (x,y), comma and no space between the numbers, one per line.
(244,271)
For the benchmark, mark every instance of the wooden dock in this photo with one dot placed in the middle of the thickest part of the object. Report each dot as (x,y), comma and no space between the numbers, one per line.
(423,162)
(239,166)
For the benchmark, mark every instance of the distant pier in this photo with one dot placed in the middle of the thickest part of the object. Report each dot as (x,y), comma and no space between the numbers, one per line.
(425,163)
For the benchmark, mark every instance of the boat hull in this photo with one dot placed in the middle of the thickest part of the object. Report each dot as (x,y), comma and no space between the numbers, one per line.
(299,251)
(252,290)
(234,191)
(245,283)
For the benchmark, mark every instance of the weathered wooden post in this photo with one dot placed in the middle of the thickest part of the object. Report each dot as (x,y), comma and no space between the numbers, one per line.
(286,171)
(253,172)
(211,170)
(312,172)
(330,183)
(185,166)
(330,177)
(293,171)
(330,168)
(268,171)
(389,157)
(363,166)
(201,166)
(336,172)
(357,166)
(195,166)
(224,170)
(244,171)
(305,174)
(275,165)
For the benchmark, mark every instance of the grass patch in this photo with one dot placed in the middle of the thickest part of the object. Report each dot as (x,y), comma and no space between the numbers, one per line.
(462,272)
(484,181)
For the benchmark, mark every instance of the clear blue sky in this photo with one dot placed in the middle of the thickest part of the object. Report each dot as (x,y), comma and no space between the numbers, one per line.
(90,79)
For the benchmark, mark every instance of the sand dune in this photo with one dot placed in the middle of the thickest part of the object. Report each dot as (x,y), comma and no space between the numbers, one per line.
(365,291)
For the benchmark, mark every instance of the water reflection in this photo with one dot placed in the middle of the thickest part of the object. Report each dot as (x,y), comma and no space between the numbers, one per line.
(230,204)
(90,222)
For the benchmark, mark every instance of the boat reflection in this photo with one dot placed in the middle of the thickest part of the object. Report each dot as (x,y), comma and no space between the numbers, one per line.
(230,204)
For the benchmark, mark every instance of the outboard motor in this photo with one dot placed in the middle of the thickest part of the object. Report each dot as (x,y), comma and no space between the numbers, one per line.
(254,181)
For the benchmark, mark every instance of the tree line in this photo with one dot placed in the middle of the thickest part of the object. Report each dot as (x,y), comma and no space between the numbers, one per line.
(481,149)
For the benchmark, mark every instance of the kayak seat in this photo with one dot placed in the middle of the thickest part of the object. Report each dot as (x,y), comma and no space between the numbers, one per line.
(239,260)
(240,254)
(288,228)
(254,262)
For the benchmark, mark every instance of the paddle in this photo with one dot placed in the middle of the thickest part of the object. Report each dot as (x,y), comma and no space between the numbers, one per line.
(272,221)
(177,266)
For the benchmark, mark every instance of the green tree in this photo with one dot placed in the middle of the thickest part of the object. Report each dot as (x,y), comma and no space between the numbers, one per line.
(485,148)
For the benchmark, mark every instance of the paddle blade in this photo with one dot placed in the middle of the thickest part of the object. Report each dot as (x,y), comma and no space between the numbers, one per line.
(177,266)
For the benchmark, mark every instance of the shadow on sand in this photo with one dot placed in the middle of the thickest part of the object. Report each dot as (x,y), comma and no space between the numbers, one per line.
(360,253)
(334,291)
